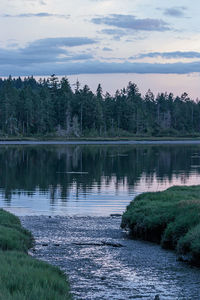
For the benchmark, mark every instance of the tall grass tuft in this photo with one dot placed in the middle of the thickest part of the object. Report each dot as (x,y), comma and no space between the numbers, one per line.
(21,276)
(171,218)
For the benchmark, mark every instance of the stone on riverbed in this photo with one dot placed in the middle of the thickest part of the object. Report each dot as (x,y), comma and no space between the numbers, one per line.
(103,243)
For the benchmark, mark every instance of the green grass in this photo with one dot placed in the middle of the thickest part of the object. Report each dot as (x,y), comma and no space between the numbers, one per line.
(171,218)
(25,278)
(21,276)
(12,239)
(12,235)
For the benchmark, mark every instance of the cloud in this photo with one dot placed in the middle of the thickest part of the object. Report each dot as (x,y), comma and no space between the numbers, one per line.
(55,55)
(46,50)
(132,23)
(117,34)
(114,32)
(36,15)
(107,49)
(168,55)
(32,2)
(175,11)
(96,67)
(59,42)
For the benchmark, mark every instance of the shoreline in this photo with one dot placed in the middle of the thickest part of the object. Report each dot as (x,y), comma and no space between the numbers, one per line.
(99,139)
(102,142)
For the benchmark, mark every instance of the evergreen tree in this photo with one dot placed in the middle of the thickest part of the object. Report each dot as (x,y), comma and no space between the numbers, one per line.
(50,106)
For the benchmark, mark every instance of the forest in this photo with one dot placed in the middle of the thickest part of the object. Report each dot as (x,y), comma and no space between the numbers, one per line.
(50,107)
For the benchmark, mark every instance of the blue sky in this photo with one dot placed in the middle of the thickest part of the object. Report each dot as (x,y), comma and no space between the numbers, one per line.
(41,37)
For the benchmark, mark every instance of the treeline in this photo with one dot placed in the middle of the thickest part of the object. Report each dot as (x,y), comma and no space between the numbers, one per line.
(50,107)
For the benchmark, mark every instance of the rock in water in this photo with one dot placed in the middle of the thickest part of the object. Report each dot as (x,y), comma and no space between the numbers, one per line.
(116,215)
(157,297)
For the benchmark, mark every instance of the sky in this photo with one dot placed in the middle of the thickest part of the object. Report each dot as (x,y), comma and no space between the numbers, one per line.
(140,39)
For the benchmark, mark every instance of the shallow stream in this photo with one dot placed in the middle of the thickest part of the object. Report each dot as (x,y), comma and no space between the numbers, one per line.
(103,264)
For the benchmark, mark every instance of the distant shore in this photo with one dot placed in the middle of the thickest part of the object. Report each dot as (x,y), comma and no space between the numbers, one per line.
(99,140)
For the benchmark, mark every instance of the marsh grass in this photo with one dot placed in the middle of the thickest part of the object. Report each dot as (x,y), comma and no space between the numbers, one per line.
(13,239)
(21,276)
(171,218)
(12,235)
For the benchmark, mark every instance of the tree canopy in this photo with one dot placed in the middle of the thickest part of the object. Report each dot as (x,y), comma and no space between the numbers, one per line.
(50,106)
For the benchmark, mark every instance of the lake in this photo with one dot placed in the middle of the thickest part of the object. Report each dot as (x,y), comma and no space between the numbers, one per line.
(93,179)
(80,185)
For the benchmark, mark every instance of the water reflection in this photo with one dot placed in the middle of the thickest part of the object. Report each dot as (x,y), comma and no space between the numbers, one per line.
(90,179)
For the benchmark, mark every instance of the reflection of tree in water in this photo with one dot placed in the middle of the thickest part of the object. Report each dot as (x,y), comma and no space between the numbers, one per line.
(27,169)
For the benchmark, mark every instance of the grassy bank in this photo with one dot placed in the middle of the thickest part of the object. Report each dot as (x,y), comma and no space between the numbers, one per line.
(171,218)
(21,276)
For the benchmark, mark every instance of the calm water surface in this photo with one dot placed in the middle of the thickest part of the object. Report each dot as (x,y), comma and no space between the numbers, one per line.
(90,179)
